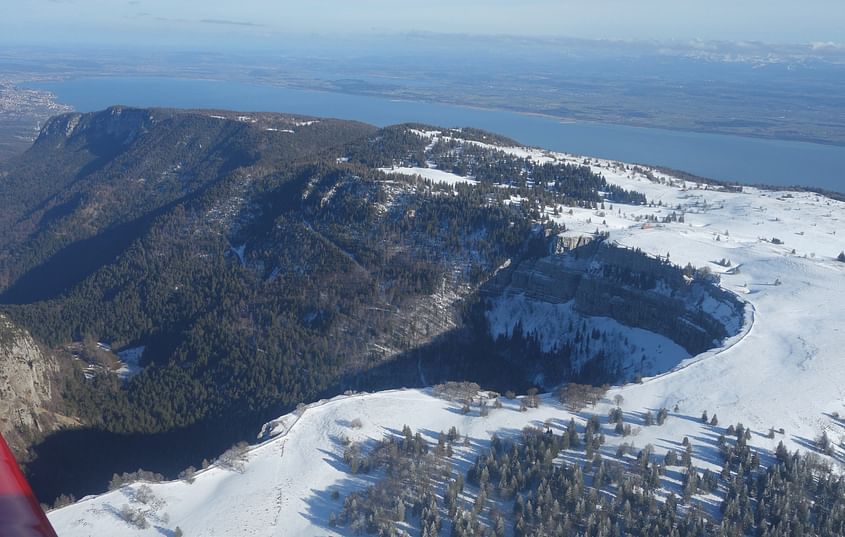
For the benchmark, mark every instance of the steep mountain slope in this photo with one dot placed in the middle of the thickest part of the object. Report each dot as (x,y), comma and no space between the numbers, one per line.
(253,262)
(780,375)
(30,395)
(256,260)
(578,309)
(92,182)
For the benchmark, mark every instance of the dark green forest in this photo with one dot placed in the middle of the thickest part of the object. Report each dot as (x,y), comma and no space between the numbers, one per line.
(261,264)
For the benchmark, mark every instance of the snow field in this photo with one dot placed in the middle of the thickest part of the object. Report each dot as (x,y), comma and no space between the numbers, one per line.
(432,174)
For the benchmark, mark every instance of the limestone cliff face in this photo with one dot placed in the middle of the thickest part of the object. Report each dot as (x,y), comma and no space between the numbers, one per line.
(116,125)
(28,395)
(629,287)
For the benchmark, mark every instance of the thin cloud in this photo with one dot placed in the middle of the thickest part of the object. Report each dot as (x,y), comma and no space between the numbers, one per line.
(223,22)
(230,22)
(167,19)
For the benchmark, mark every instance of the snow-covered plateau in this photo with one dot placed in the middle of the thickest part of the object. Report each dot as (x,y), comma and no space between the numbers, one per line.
(783,370)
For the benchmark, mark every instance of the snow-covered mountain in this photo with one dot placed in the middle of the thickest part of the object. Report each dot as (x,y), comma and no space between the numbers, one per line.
(775,250)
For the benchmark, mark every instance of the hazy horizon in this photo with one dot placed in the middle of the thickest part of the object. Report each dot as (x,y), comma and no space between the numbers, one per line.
(217,24)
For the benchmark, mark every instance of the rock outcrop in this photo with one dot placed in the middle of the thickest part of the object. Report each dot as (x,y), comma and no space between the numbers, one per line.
(29,397)
(595,280)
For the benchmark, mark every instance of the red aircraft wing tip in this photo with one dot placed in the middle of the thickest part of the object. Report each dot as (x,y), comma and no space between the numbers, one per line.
(20,513)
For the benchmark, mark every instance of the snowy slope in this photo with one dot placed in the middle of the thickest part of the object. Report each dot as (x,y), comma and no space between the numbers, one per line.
(784,369)
(645,351)
(286,486)
(432,174)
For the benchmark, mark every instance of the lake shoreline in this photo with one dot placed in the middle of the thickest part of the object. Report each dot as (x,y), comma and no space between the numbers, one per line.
(722,157)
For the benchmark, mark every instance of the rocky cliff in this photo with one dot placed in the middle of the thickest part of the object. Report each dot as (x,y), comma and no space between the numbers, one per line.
(29,397)
(563,303)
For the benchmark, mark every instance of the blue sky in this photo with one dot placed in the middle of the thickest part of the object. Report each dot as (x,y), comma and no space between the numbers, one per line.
(231,24)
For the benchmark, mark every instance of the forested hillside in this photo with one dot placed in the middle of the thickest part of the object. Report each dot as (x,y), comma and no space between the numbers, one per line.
(254,262)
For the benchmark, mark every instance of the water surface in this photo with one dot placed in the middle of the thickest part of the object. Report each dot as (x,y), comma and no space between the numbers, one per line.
(718,156)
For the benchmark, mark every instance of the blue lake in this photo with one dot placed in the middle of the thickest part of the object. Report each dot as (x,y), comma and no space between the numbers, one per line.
(724,157)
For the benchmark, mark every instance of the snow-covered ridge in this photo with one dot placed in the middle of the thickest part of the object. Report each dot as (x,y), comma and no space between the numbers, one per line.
(783,369)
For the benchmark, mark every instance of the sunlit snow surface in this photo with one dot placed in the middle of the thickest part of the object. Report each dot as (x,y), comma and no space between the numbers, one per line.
(432,174)
(785,369)
(646,353)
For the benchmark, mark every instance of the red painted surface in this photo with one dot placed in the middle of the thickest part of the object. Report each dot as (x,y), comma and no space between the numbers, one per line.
(20,513)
